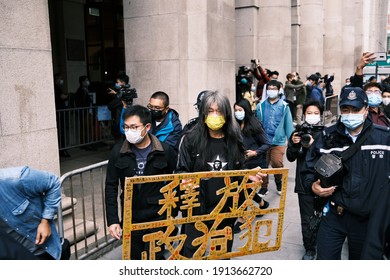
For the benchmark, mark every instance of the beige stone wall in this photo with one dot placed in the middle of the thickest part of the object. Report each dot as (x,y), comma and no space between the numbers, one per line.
(28,134)
(180,47)
(330,36)
(247,31)
(351,34)
(274,36)
(263,31)
(311,38)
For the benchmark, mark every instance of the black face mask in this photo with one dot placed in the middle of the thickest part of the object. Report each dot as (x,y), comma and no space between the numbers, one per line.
(157,114)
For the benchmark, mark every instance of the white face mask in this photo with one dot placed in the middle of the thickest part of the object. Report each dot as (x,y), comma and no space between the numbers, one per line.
(312,119)
(134,137)
(272,93)
(386,101)
(240,115)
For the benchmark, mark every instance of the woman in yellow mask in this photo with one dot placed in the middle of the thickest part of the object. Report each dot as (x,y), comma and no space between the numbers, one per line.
(214,144)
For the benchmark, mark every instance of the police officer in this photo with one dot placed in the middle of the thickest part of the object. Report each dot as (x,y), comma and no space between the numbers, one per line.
(192,122)
(363,172)
(377,245)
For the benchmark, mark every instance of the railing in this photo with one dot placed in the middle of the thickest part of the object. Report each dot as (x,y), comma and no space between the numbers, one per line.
(81,218)
(78,127)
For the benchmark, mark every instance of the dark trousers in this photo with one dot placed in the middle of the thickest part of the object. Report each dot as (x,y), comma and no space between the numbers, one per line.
(65,252)
(306,210)
(333,231)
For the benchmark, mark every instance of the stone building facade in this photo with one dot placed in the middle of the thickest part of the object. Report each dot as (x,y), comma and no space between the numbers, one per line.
(179,46)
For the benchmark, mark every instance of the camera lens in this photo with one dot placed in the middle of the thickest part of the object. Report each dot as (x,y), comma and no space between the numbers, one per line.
(305,140)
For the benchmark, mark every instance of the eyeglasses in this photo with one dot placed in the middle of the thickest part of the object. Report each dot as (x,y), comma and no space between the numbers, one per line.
(132,128)
(155,108)
(371,92)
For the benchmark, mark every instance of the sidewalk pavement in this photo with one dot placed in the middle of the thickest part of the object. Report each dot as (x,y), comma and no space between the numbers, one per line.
(291,246)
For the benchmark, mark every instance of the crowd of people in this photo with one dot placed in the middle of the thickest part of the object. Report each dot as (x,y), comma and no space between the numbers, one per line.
(264,124)
(268,121)
(331,211)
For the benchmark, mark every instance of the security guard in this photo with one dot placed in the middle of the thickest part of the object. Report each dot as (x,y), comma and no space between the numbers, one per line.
(364,171)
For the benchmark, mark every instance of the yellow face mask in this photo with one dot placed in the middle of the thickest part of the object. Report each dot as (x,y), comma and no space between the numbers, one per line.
(215,122)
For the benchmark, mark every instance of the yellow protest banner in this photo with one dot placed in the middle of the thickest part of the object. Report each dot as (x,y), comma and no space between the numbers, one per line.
(181,191)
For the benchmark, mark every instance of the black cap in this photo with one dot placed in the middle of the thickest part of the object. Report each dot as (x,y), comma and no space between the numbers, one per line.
(353,96)
(314,77)
(200,97)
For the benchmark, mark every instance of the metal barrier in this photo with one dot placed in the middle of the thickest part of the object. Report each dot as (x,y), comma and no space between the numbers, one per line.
(331,111)
(78,127)
(81,217)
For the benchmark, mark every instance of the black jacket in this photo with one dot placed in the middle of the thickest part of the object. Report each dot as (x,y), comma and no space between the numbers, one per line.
(122,163)
(377,244)
(366,170)
(258,143)
(189,161)
(115,106)
(298,153)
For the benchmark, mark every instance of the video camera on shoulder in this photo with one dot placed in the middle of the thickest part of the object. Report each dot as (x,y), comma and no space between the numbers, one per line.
(305,131)
(127,93)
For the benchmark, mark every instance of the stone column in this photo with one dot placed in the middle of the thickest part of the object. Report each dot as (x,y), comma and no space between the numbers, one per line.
(274,36)
(333,42)
(247,29)
(351,33)
(181,48)
(311,42)
(374,27)
(28,134)
(295,33)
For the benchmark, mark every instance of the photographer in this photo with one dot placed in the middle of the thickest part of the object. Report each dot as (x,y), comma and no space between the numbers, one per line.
(244,83)
(124,95)
(262,75)
(364,171)
(247,91)
(298,145)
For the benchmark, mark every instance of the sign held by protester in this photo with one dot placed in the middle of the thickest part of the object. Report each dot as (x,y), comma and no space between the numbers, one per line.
(181,192)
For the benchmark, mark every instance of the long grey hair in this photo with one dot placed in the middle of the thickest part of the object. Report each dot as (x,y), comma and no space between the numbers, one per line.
(199,135)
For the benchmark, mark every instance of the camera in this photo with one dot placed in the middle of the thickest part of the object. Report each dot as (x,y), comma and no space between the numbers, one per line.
(244,70)
(305,131)
(127,94)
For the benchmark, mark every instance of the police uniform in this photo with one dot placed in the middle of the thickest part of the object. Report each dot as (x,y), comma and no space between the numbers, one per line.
(377,245)
(365,171)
